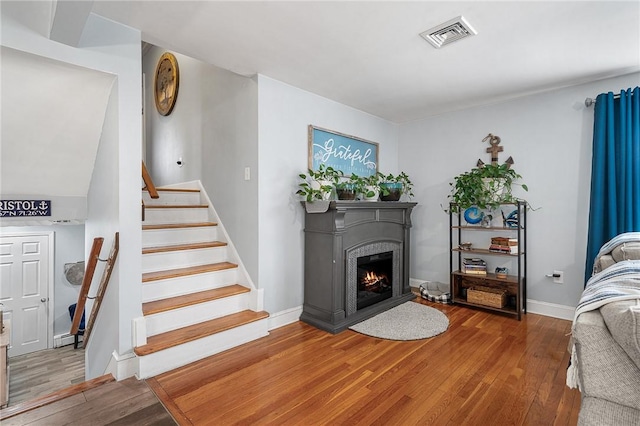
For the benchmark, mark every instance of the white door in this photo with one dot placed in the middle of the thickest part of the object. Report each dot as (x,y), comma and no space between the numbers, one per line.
(24,290)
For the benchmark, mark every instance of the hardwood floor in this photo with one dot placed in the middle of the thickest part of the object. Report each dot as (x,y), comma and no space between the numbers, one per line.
(43,372)
(486,369)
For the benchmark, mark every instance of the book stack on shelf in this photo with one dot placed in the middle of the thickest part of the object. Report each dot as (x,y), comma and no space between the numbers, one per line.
(504,245)
(474,266)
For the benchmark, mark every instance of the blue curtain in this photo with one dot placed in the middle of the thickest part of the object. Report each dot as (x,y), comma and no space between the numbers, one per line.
(615,170)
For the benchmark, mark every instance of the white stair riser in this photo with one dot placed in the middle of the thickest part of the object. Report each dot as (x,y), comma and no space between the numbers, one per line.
(182,258)
(171,197)
(175,215)
(166,237)
(169,359)
(189,315)
(162,289)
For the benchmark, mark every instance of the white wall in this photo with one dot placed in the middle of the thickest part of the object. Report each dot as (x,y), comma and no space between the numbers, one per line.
(549,136)
(113,48)
(213,128)
(102,222)
(119,47)
(284,112)
(178,134)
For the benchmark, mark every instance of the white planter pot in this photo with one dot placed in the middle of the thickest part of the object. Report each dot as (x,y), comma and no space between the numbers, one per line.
(318,206)
(495,187)
(317,184)
(374,197)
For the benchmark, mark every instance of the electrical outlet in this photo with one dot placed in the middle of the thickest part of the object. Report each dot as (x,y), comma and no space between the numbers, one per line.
(247,173)
(558,277)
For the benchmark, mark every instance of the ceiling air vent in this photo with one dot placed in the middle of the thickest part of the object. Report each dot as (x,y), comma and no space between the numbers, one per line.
(450,31)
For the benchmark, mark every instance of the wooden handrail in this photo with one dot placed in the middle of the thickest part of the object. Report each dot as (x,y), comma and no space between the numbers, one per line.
(106,275)
(86,283)
(146,177)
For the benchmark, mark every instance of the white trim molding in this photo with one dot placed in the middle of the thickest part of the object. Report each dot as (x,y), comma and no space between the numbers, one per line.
(122,366)
(551,309)
(286,317)
(60,340)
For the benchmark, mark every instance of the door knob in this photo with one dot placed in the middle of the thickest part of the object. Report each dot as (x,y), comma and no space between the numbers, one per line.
(43,300)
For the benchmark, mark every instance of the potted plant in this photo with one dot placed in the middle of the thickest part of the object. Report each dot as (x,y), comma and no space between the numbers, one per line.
(349,189)
(485,186)
(393,186)
(370,188)
(316,187)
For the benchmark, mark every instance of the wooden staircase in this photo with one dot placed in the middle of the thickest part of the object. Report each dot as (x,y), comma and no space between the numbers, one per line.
(197,298)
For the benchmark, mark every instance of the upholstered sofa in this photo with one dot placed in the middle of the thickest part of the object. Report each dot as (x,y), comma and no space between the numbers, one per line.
(606,337)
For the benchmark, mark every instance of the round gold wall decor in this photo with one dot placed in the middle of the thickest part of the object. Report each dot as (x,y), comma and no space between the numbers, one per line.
(166,83)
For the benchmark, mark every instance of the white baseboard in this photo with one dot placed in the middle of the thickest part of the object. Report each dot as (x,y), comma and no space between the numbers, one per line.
(534,306)
(551,309)
(413,282)
(63,340)
(282,318)
(122,366)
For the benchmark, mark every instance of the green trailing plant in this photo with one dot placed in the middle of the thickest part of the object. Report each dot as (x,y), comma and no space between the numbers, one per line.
(485,187)
(387,182)
(324,173)
(318,184)
(313,194)
(349,188)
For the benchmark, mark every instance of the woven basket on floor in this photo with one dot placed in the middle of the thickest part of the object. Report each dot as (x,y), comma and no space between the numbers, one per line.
(487,296)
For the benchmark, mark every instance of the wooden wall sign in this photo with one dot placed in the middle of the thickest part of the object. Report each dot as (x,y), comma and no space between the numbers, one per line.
(342,152)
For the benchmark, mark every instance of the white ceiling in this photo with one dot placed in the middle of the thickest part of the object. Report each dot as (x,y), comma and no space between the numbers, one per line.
(369,55)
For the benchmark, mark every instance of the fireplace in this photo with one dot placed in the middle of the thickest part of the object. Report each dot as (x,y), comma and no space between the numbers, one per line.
(374,279)
(356,255)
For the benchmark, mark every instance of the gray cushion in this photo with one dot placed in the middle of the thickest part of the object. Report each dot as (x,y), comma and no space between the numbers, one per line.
(623,321)
(626,251)
(605,370)
(600,412)
(602,263)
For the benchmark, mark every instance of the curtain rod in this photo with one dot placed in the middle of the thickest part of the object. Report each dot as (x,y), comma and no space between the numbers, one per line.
(589,101)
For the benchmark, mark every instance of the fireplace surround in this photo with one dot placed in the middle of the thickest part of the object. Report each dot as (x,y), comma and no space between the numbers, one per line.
(350,233)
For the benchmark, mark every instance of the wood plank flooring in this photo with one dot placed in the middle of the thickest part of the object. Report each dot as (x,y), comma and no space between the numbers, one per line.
(43,372)
(128,402)
(486,369)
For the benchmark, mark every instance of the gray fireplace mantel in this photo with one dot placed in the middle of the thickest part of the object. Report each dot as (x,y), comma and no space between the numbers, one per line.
(347,227)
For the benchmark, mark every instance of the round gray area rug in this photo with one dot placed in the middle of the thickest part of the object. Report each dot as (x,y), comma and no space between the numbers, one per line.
(409,321)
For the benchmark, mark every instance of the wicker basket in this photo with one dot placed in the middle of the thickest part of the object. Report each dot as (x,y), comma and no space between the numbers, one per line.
(487,296)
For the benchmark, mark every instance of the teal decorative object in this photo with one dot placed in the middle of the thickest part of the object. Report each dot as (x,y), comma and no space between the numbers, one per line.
(473,215)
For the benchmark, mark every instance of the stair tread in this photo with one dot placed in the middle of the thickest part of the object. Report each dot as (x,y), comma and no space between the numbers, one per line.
(197,331)
(179,247)
(191,270)
(176,206)
(163,305)
(173,190)
(177,225)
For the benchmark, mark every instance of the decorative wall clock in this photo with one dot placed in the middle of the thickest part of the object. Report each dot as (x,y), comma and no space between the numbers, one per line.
(166,83)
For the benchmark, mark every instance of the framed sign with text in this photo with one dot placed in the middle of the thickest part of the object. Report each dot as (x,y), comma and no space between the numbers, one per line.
(342,152)
(22,208)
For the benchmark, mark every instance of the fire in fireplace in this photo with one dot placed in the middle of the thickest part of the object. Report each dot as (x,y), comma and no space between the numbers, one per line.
(375,275)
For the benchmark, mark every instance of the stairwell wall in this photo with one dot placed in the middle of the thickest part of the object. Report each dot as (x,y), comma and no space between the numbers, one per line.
(213,128)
